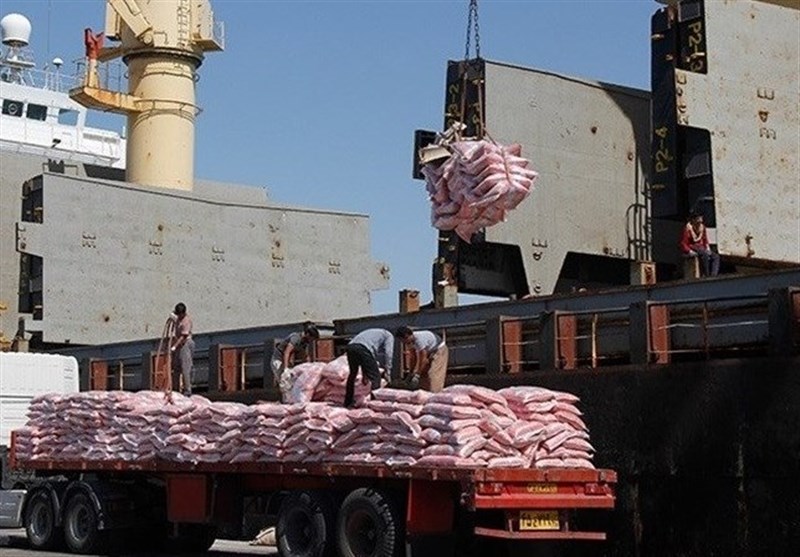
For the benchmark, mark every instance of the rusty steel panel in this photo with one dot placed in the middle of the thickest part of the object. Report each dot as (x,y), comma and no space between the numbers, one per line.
(228,368)
(512,345)
(566,341)
(98,375)
(658,334)
(323,350)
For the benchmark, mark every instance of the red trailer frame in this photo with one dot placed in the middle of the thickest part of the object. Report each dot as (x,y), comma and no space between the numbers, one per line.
(536,503)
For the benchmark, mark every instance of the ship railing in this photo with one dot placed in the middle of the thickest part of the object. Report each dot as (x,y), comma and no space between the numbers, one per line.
(112,375)
(715,327)
(237,368)
(48,78)
(111,75)
(646,334)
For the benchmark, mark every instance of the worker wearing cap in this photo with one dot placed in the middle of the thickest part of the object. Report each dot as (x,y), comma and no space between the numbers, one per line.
(428,358)
(284,351)
(366,351)
(182,348)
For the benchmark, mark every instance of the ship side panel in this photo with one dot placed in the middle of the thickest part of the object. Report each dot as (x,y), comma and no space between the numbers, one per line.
(117,257)
(588,141)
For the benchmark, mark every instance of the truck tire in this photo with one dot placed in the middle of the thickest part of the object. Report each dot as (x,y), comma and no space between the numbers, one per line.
(305,525)
(369,525)
(40,522)
(81,523)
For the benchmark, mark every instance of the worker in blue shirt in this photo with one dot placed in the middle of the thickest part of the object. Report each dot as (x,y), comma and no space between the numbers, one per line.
(366,351)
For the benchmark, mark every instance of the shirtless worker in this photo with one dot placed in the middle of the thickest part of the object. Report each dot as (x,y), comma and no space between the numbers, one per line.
(428,360)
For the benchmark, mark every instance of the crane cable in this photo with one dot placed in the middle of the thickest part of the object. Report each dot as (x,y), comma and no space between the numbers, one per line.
(473,28)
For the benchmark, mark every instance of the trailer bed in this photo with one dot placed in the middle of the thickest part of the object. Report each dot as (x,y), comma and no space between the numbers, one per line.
(506,503)
(321,469)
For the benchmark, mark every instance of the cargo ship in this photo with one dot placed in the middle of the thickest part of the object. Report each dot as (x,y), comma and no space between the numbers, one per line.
(689,384)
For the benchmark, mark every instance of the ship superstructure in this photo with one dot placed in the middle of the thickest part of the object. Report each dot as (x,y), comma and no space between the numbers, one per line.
(38,117)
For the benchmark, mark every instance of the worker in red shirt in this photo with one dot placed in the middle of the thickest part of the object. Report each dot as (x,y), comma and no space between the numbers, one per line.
(694,243)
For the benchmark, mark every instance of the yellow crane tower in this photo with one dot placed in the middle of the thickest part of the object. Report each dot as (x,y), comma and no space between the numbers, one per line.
(162,42)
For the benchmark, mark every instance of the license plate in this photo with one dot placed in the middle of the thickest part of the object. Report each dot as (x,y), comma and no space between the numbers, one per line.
(542,488)
(539,520)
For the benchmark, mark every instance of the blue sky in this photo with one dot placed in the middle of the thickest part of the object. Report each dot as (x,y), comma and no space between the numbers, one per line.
(318,100)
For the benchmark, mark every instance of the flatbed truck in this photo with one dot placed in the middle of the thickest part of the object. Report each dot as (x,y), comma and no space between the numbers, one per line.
(321,509)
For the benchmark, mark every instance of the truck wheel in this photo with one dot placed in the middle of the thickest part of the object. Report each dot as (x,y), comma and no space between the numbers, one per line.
(40,522)
(369,525)
(305,525)
(81,525)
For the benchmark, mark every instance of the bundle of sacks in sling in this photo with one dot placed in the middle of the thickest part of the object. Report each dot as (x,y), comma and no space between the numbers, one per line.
(477,185)
(322,382)
(462,426)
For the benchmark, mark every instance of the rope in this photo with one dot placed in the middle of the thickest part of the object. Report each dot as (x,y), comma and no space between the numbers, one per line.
(167,335)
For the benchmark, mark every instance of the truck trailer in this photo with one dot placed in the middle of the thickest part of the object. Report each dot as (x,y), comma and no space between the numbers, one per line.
(321,509)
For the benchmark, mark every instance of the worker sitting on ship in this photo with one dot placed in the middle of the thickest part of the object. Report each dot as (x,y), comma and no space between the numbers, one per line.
(694,243)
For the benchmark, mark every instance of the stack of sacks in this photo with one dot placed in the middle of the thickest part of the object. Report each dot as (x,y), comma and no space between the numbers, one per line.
(391,422)
(323,382)
(202,431)
(332,385)
(475,187)
(551,416)
(263,431)
(95,426)
(312,438)
(462,426)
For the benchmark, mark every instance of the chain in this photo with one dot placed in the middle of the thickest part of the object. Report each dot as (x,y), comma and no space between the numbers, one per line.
(472,25)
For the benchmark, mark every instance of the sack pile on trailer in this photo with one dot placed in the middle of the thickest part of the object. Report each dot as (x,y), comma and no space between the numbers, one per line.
(462,426)
(477,185)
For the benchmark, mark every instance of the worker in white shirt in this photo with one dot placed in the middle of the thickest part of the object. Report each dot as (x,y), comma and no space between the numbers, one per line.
(428,360)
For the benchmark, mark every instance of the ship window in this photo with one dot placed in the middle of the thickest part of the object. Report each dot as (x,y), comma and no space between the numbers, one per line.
(68,117)
(37,112)
(12,108)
